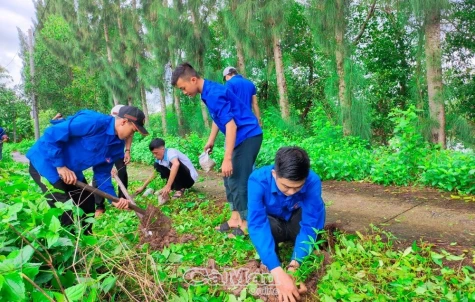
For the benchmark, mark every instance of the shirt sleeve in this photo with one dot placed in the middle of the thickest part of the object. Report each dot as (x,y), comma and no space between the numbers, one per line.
(102,174)
(313,217)
(222,108)
(259,225)
(56,136)
(172,153)
(254,90)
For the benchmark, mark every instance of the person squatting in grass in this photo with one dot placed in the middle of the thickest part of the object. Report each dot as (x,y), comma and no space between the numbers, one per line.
(244,89)
(285,204)
(243,137)
(3,138)
(86,139)
(173,166)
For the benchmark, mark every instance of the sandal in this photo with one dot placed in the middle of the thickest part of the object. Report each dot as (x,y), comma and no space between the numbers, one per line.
(236,232)
(179,194)
(224,227)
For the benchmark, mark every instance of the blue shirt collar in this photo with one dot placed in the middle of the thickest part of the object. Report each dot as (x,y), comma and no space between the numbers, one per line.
(111,128)
(205,91)
(165,157)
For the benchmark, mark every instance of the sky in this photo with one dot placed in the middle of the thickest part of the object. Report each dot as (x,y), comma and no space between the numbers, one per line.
(14,13)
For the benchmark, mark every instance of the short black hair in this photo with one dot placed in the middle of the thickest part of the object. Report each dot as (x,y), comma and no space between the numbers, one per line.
(156,143)
(184,71)
(233,71)
(292,163)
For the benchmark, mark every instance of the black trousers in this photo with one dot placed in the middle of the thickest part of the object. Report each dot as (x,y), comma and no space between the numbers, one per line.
(122,173)
(83,199)
(183,178)
(284,231)
(244,157)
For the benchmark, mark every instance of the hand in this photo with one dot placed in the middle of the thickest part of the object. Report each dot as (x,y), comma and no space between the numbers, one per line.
(114,172)
(127,157)
(260,122)
(139,190)
(285,285)
(122,204)
(67,175)
(209,146)
(165,191)
(227,168)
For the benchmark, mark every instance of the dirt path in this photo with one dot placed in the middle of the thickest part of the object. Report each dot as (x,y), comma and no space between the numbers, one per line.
(17,156)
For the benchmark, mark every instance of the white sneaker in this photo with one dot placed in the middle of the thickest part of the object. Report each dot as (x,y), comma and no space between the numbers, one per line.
(147,192)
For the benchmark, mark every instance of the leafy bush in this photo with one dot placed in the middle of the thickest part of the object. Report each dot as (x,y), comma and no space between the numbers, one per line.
(399,163)
(450,170)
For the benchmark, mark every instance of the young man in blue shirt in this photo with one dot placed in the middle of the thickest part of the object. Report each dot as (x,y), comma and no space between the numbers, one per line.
(84,140)
(285,204)
(243,137)
(243,89)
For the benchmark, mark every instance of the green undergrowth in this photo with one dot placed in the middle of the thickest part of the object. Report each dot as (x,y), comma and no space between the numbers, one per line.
(407,159)
(42,261)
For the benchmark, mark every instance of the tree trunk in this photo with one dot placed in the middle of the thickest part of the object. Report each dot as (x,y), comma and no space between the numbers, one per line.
(163,110)
(200,55)
(143,96)
(240,57)
(178,114)
(15,138)
(33,92)
(434,77)
(109,59)
(281,84)
(345,103)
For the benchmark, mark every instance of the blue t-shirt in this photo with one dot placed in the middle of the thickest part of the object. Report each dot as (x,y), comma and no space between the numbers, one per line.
(2,132)
(223,106)
(86,139)
(242,88)
(265,198)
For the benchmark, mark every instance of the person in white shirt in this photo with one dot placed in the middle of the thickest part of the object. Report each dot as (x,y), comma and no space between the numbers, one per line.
(172,165)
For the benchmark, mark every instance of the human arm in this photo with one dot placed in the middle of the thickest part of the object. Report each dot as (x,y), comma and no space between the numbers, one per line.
(173,172)
(258,223)
(58,135)
(128,146)
(212,137)
(230,140)
(255,108)
(313,217)
(146,183)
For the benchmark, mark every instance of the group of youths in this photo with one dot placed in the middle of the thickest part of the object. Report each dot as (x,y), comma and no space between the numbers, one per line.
(276,203)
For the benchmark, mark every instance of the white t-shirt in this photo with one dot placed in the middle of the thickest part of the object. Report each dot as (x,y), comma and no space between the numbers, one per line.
(170,154)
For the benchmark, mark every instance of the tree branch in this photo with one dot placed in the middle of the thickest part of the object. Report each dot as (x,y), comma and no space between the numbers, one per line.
(363,26)
(37,287)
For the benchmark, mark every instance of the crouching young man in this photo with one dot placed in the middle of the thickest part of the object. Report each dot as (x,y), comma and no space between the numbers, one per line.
(173,166)
(84,140)
(285,204)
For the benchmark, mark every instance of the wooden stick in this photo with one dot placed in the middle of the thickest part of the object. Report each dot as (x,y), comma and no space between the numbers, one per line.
(126,193)
(107,196)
